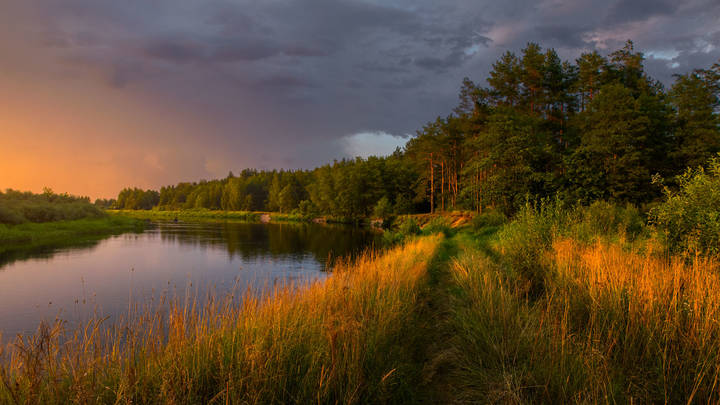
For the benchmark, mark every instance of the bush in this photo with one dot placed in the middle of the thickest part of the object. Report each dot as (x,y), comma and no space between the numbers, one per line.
(689,218)
(606,219)
(487,219)
(18,207)
(437,225)
(390,238)
(307,210)
(409,228)
(523,241)
(10,216)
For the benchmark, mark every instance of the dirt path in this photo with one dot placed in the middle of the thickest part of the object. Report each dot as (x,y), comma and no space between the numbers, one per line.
(439,356)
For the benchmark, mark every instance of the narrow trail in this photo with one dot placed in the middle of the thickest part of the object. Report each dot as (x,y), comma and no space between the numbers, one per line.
(439,354)
(442,351)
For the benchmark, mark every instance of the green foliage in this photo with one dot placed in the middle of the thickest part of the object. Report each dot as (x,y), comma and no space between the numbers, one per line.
(531,233)
(524,240)
(307,209)
(19,207)
(137,199)
(611,161)
(383,209)
(409,227)
(11,216)
(190,215)
(689,218)
(604,219)
(696,96)
(488,218)
(30,235)
(437,225)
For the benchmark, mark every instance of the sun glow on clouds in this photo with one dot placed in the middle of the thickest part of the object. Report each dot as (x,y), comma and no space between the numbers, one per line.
(372,143)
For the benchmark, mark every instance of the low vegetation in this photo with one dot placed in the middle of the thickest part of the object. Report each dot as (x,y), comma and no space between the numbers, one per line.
(186,215)
(689,219)
(21,207)
(29,221)
(584,305)
(31,235)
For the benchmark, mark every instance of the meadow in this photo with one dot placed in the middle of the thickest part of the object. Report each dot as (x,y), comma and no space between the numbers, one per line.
(560,307)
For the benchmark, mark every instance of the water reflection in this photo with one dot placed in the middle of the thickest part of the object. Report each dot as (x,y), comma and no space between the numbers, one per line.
(102,277)
(249,240)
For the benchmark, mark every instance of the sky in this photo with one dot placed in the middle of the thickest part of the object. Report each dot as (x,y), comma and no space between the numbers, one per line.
(97,95)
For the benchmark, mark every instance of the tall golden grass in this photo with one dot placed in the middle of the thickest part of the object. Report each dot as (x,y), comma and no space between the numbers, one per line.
(653,322)
(612,325)
(347,339)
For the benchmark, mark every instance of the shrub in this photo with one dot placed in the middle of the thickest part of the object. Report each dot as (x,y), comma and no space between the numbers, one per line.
(437,225)
(602,218)
(10,216)
(18,207)
(409,228)
(390,238)
(523,241)
(383,208)
(487,219)
(307,209)
(689,218)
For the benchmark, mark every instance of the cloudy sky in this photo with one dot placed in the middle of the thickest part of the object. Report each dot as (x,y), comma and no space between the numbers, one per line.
(100,94)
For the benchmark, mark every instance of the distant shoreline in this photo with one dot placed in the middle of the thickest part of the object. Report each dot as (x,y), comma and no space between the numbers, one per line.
(38,235)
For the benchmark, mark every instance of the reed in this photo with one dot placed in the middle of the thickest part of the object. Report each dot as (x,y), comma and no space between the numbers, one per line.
(349,338)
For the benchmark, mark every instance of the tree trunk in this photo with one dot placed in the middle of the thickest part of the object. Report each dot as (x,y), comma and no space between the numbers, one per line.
(432,185)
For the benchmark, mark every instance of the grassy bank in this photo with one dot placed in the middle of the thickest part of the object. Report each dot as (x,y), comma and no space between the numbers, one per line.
(349,339)
(217,215)
(551,310)
(189,215)
(29,235)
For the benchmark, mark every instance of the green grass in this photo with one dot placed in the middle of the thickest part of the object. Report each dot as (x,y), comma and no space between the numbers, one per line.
(190,215)
(34,235)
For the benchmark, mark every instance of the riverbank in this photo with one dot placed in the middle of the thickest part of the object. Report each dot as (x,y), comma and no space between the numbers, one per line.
(36,235)
(211,215)
(351,338)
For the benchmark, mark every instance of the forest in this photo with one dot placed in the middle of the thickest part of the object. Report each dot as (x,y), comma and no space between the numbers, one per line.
(598,128)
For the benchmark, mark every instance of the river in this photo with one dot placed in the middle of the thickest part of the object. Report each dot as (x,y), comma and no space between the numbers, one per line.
(103,278)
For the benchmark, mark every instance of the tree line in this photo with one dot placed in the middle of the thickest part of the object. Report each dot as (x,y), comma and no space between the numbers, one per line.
(598,128)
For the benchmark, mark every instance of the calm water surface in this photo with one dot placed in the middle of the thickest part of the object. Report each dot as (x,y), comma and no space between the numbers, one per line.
(102,278)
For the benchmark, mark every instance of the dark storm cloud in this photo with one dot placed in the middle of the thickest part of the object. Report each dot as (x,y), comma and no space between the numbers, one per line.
(624,11)
(177,51)
(568,36)
(295,77)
